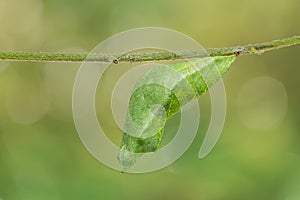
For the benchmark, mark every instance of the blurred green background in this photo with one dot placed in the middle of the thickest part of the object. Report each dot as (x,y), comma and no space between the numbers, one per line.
(42,157)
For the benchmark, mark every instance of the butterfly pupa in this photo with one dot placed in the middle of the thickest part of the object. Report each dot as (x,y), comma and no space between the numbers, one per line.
(158,95)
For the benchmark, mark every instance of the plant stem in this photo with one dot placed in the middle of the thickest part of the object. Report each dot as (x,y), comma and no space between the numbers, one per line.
(250,49)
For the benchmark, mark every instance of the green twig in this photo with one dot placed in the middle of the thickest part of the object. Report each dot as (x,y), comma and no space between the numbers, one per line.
(156,56)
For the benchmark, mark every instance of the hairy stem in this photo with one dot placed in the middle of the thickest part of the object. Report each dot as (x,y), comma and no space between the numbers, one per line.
(250,49)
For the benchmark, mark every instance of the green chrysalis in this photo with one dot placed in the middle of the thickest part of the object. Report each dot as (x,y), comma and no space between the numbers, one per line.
(158,95)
